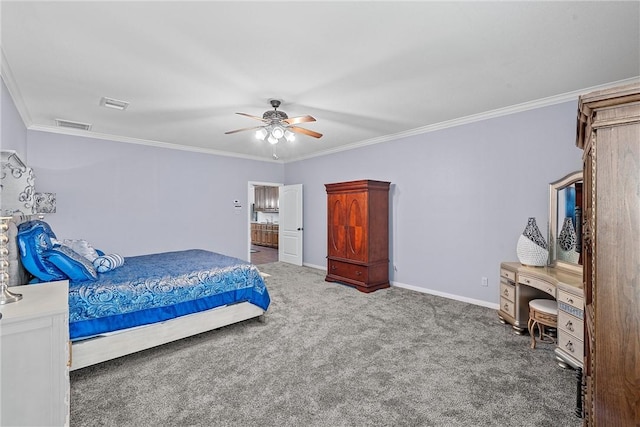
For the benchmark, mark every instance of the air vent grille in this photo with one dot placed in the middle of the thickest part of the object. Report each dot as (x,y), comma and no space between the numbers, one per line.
(73,125)
(114,103)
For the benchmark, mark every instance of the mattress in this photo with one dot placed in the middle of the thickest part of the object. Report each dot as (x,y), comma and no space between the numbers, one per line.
(158,287)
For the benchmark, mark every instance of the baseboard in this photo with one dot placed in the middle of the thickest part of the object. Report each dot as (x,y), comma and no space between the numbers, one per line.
(429,291)
(317,267)
(447,295)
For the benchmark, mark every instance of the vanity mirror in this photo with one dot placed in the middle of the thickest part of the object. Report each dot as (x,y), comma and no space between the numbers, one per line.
(565,223)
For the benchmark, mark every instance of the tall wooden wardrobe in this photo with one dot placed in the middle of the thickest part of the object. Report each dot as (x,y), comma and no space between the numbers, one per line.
(358,234)
(609,134)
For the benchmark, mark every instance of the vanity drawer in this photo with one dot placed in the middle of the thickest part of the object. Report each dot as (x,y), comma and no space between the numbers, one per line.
(571,299)
(570,345)
(353,272)
(571,325)
(507,307)
(508,274)
(537,283)
(507,290)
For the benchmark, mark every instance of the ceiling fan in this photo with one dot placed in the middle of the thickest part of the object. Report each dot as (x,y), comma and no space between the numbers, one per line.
(278,125)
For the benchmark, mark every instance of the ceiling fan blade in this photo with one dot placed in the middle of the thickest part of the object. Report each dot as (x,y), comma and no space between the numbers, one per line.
(296,129)
(299,119)
(242,130)
(254,117)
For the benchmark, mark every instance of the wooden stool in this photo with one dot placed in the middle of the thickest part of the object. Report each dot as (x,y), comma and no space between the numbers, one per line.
(543,313)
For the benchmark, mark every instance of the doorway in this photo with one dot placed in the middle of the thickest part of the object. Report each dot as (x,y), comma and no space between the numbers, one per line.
(263,255)
(263,222)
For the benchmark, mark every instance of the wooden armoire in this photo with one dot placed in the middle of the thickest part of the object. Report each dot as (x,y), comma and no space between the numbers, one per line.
(358,234)
(609,134)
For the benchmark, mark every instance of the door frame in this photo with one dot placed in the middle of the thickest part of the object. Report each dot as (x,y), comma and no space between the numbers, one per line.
(250,196)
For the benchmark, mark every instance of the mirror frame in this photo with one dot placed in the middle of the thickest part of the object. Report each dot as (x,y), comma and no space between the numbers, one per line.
(554,188)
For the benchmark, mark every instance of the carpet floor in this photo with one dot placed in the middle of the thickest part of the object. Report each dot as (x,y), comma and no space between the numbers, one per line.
(329,355)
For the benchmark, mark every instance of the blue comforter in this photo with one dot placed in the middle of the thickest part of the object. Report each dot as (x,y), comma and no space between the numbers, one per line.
(153,288)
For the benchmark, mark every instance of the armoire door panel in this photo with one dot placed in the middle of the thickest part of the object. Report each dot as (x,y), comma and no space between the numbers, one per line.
(337,229)
(357,227)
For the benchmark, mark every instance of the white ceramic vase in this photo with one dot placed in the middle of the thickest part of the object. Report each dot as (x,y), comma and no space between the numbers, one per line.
(532,249)
(567,240)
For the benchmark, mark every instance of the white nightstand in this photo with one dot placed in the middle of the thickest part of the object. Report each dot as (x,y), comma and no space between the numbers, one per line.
(34,350)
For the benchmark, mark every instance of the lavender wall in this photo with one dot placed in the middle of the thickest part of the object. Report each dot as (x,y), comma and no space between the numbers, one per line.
(13,134)
(460,197)
(136,199)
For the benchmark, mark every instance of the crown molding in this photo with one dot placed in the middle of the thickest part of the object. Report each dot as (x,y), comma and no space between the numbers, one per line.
(518,108)
(159,144)
(7,77)
(12,87)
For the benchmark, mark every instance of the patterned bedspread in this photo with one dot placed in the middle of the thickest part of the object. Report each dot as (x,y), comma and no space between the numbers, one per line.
(158,287)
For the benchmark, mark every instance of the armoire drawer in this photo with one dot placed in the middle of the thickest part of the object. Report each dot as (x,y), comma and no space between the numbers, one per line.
(357,273)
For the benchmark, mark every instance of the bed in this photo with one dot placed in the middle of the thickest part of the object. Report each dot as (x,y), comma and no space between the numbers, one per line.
(122,305)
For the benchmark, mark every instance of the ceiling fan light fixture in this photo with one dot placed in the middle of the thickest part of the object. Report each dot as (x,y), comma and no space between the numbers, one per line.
(289,136)
(261,134)
(277,132)
(277,125)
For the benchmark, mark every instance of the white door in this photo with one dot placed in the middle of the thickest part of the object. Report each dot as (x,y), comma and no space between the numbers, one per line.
(290,229)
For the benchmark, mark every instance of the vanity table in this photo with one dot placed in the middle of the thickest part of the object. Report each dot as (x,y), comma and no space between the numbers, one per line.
(520,284)
(560,280)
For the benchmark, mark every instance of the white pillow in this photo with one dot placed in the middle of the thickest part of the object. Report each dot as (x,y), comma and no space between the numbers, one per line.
(82,247)
(105,263)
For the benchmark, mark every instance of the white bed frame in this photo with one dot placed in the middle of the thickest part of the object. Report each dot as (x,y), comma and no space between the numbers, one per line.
(99,349)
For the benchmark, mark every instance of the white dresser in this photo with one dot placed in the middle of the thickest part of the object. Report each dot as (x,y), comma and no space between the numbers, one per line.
(34,363)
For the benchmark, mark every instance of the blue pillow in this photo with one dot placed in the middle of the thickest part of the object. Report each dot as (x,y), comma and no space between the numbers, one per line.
(106,263)
(34,238)
(74,265)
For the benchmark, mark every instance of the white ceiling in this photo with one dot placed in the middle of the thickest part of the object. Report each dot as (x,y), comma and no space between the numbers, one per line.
(365,70)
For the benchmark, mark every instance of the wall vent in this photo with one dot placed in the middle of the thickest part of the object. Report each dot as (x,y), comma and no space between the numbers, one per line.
(73,125)
(114,103)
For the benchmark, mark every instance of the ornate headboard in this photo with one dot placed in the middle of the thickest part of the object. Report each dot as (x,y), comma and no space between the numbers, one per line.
(17,189)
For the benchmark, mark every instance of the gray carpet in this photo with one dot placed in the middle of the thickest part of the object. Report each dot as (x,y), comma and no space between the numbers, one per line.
(329,355)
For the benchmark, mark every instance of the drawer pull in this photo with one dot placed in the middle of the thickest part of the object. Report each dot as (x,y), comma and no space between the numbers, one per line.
(527,281)
(569,326)
(569,346)
(358,273)
(506,307)
(570,300)
(549,290)
(333,267)
(506,292)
